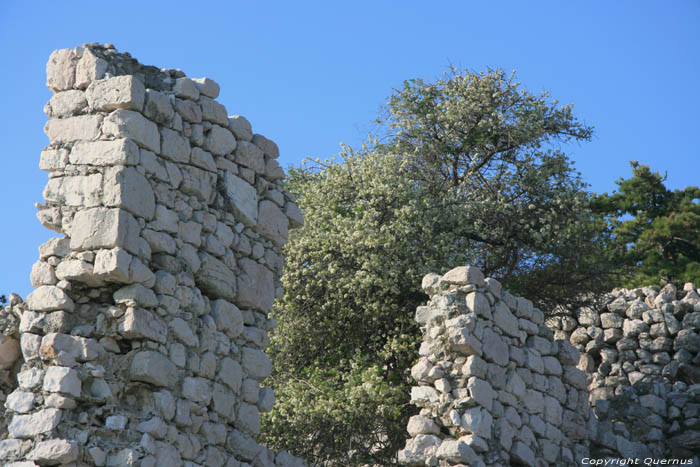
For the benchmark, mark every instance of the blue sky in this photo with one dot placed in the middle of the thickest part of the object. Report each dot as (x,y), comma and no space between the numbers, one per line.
(312,74)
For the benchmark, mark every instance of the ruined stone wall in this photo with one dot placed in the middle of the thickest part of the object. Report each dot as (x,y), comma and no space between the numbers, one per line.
(642,357)
(493,385)
(142,343)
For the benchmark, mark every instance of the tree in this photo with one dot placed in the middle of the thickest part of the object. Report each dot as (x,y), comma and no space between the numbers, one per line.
(464,174)
(655,231)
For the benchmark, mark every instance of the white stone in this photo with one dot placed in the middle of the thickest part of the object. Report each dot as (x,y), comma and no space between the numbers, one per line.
(30,344)
(418,424)
(112,265)
(60,70)
(505,320)
(20,401)
(81,349)
(65,104)
(478,421)
(29,426)
(53,159)
(477,303)
(104,228)
(80,191)
(103,153)
(88,69)
(62,380)
(49,298)
(54,451)
(464,275)
(456,451)
(119,92)
(42,274)
(30,378)
(67,130)
(130,124)
(128,189)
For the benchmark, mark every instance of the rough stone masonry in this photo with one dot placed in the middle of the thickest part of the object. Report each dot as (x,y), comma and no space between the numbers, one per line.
(142,343)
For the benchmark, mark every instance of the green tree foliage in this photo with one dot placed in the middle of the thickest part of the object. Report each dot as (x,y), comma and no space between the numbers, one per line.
(467,173)
(655,231)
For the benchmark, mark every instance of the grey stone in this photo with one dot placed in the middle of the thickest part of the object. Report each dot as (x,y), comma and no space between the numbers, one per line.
(228,317)
(242,198)
(455,451)
(251,156)
(255,286)
(104,228)
(126,188)
(478,421)
(49,298)
(520,452)
(62,380)
(418,449)
(67,130)
(505,320)
(54,451)
(256,363)
(272,223)
(138,323)
(154,368)
(216,279)
(268,146)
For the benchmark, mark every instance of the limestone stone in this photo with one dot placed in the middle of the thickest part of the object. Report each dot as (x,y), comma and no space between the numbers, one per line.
(104,228)
(231,374)
(197,389)
(207,87)
(49,298)
(268,146)
(138,323)
(60,70)
(135,295)
(65,104)
(119,92)
(505,320)
(241,128)
(520,452)
(158,107)
(112,265)
(173,146)
(104,153)
(188,110)
(249,155)
(54,451)
(53,159)
(228,317)
(62,380)
(255,286)
(272,223)
(130,124)
(478,421)
(464,275)
(198,182)
(203,159)
(255,363)
(212,111)
(29,426)
(215,278)
(67,130)
(20,401)
(418,449)
(242,198)
(89,68)
(186,87)
(154,368)
(183,332)
(74,191)
(477,303)
(481,392)
(248,419)
(495,348)
(455,451)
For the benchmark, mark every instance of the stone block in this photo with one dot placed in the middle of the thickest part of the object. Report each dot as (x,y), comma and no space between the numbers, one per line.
(418,450)
(272,223)
(119,92)
(52,160)
(9,351)
(220,141)
(104,228)
(505,320)
(62,380)
(188,110)
(154,368)
(241,128)
(521,453)
(30,426)
(268,146)
(186,87)
(464,275)
(495,348)
(79,191)
(60,70)
(49,298)
(228,317)
(158,107)
(477,303)
(174,147)
(248,419)
(478,421)
(255,286)
(231,374)
(105,153)
(197,390)
(249,155)
(216,279)
(138,323)
(203,159)
(66,104)
(130,124)
(20,402)
(455,451)
(67,130)
(243,199)
(256,363)
(198,182)
(206,87)
(89,68)
(112,265)
(128,189)
(212,111)
(82,349)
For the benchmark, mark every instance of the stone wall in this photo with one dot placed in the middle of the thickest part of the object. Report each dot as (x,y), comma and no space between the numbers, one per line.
(493,385)
(142,343)
(642,357)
